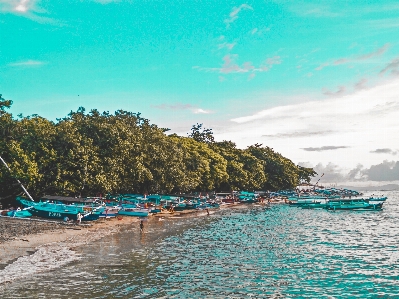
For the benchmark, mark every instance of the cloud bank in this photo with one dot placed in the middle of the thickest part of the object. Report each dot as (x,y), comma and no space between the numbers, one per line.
(323,148)
(385,172)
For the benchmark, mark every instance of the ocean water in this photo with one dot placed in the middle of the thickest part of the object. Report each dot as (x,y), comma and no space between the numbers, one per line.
(252,252)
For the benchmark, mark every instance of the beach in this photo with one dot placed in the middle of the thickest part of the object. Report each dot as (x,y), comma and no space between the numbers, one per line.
(35,245)
(29,245)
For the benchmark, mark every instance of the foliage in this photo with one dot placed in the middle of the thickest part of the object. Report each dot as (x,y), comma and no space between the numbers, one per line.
(200,134)
(86,154)
(4,104)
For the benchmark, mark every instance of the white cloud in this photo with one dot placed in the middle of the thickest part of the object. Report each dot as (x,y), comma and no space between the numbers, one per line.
(18,6)
(26,63)
(231,66)
(29,9)
(354,125)
(201,111)
(361,57)
(180,106)
(234,13)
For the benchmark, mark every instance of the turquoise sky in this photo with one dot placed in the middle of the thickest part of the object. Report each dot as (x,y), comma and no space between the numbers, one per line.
(212,62)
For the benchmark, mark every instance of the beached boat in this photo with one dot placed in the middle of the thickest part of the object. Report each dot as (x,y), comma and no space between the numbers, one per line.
(110,212)
(55,211)
(134,212)
(60,211)
(352,204)
(18,213)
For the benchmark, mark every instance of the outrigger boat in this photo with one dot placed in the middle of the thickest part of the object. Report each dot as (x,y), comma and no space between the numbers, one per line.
(314,205)
(60,211)
(134,212)
(352,204)
(302,201)
(18,213)
(377,199)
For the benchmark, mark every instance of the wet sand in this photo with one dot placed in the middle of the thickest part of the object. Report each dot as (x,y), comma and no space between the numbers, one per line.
(20,237)
(28,246)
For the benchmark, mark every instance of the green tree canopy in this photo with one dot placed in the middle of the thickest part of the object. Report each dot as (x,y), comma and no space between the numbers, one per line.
(91,153)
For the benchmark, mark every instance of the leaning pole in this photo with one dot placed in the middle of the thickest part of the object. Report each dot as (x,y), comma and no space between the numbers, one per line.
(26,191)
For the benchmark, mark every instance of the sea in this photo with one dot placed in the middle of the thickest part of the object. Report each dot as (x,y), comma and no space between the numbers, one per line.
(254,251)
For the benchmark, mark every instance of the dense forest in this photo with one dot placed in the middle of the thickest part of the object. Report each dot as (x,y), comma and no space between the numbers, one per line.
(85,154)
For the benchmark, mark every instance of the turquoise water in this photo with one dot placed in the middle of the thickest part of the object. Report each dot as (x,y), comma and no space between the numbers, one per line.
(257,252)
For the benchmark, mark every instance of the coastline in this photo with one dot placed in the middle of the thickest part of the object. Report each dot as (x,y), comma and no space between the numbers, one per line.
(54,244)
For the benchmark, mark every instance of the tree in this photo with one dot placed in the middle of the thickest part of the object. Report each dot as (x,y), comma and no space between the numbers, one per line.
(281,172)
(245,171)
(4,104)
(200,134)
(305,174)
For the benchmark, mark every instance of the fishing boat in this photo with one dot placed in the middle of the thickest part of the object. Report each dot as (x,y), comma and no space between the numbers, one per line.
(50,210)
(18,213)
(377,199)
(352,204)
(299,201)
(134,212)
(57,211)
(314,205)
(110,212)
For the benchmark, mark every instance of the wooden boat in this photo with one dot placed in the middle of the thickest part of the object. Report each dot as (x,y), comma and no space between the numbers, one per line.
(54,211)
(315,205)
(302,201)
(110,212)
(18,213)
(377,199)
(134,212)
(60,211)
(352,204)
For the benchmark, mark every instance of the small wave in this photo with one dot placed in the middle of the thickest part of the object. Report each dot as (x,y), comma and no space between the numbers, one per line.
(46,257)
(50,256)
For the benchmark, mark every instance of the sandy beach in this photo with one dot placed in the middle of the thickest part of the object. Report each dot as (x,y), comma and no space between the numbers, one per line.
(32,246)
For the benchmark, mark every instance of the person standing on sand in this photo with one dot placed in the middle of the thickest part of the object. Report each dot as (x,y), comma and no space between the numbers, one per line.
(79,218)
(141,225)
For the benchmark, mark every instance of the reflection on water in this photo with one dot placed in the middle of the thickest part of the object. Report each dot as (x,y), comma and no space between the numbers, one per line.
(281,252)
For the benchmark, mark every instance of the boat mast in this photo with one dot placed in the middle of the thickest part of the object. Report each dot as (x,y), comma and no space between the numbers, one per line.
(26,191)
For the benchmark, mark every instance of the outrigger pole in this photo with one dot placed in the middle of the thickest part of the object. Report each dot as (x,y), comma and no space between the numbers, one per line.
(26,191)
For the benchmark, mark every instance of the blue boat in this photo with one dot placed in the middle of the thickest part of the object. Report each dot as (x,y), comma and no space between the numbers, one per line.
(134,212)
(377,199)
(352,204)
(60,211)
(315,205)
(18,213)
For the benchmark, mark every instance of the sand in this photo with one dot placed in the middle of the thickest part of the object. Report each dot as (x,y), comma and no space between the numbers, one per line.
(29,246)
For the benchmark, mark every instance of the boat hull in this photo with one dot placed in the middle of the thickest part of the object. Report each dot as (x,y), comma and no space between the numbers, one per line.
(133,213)
(19,214)
(60,214)
(360,207)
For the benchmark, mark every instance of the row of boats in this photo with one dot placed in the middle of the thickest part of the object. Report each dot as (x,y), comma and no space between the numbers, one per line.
(89,209)
(336,203)
(136,205)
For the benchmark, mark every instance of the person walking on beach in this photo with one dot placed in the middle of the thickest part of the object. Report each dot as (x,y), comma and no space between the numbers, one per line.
(141,225)
(79,218)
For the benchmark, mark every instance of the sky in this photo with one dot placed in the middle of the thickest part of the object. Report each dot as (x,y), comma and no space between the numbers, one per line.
(317,81)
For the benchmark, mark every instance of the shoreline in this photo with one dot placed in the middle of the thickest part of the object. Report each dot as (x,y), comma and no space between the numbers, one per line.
(54,244)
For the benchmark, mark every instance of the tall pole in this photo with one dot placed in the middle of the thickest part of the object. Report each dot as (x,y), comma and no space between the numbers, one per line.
(26,191)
